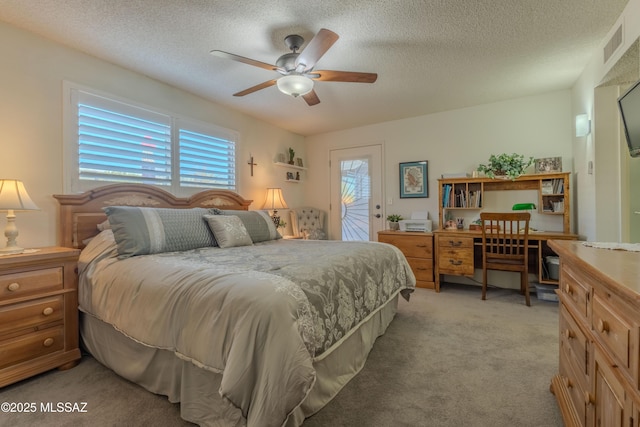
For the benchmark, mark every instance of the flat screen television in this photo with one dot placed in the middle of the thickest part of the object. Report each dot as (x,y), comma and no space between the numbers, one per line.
(629,105)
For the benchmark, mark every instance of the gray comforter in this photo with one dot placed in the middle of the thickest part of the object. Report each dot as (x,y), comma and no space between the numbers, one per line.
(259,315)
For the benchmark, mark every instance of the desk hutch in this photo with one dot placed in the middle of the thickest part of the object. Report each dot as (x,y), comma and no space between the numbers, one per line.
(457,251)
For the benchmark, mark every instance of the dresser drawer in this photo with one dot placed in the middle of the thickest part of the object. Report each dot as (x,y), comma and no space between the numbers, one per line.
(612,329)
(574,343)
(31,314)
(30,346)
(411,246)
(422,268)
(455,255)
(577,389)
(575,288)
(28,282)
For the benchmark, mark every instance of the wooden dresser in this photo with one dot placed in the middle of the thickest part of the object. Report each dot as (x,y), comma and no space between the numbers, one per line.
(38,313)
(417,247)
(598,383)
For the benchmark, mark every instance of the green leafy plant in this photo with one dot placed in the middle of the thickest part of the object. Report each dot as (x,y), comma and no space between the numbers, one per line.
(282,224)
(509,165)
(394,218)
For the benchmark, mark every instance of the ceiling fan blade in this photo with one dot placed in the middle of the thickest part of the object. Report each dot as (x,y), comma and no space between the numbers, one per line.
(311,98)
(256,88)
(342,76)
(249,61)
(318,46)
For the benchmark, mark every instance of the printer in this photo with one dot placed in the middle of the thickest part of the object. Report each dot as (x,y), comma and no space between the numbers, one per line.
(419,222)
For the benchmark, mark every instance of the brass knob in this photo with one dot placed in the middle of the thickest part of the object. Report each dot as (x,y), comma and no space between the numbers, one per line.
(569,334)
(47,311)
(567,289)
(13,286)
(48,342)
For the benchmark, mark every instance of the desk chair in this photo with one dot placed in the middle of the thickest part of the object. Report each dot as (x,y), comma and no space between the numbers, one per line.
(505,246)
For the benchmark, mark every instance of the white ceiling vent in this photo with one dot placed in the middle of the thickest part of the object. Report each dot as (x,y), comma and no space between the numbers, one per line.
(614,43)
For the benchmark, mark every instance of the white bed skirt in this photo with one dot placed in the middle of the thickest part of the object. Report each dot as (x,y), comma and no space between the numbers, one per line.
(161,372)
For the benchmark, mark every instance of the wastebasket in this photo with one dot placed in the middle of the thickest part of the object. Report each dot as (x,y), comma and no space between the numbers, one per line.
(553,267)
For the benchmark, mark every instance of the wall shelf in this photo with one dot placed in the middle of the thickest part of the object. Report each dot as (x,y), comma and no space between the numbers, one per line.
(287,165)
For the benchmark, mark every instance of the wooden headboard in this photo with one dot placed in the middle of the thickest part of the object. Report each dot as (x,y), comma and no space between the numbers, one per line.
(80,214)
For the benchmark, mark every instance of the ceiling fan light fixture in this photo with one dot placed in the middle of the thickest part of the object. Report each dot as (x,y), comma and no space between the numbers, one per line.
(295,85)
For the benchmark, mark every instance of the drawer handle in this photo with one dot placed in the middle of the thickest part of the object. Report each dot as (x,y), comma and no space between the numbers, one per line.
(452,243)
(421,268)
(48,342)
(13,286)
(588,398)
(567,289)
(47,311)
(568,383)
(421,246)
(455,261)
(603,326)
(569,334)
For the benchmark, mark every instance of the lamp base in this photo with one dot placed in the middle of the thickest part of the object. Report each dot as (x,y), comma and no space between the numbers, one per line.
(11,250)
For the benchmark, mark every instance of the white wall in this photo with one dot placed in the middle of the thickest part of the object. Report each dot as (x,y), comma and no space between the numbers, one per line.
(452,141)
(31,76)
(598,210)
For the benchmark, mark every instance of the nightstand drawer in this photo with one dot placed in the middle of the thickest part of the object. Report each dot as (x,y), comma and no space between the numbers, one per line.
(28,282)
(31,314)
(411,246)
(422,268)
(30,346)
(614,330)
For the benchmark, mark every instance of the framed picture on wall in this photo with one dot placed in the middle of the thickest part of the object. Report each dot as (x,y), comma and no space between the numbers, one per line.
(413,179)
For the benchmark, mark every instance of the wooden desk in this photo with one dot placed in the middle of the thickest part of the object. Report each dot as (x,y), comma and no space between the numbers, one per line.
(456,254)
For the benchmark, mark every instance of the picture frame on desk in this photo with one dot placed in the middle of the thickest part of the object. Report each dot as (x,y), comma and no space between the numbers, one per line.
(413,179)
(548,165)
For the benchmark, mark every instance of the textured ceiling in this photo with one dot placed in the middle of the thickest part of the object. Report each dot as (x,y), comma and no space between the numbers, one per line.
(430,55)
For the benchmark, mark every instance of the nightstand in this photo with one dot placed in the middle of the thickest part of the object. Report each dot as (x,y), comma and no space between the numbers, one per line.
(417,247)
(38,313)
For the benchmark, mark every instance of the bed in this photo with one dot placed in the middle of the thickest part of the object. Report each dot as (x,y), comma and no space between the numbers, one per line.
(263,332)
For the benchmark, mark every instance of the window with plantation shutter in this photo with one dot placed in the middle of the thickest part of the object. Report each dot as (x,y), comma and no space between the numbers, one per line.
(206,161)
(114,141)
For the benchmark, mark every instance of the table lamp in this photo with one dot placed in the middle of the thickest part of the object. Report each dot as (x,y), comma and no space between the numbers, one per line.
(13,197)
(525,207)
(274,201)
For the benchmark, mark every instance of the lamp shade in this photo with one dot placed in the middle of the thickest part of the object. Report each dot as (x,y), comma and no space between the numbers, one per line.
(274,199)
(295,85)
(13,196)
(523,206)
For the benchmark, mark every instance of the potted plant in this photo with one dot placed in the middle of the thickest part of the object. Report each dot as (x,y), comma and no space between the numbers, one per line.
(393,221)
(291,155)
(508,165)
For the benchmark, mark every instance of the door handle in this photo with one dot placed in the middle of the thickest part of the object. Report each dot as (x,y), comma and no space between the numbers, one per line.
(377,215)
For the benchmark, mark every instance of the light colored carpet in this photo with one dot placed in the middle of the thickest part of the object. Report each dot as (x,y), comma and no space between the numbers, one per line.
(447,359)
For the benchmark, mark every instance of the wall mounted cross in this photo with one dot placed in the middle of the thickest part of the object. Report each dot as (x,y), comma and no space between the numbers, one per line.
(251,163)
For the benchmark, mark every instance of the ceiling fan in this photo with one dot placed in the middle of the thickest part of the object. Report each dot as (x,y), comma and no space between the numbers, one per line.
(297,70)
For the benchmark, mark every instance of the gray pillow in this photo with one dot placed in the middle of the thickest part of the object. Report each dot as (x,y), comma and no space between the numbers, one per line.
(228,230)
(140,231)
(259,225)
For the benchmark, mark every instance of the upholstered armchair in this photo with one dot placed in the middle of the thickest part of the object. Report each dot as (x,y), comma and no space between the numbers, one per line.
(308,223)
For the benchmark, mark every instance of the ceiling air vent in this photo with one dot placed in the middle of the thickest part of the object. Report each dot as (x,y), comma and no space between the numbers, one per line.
(613,44)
